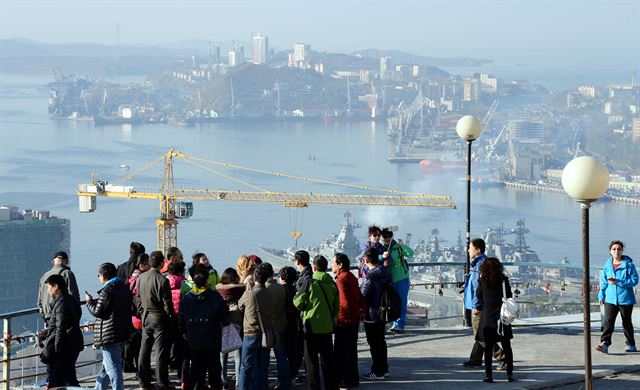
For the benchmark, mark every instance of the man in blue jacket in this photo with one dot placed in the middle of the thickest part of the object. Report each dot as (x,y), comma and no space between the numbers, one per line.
(476,254)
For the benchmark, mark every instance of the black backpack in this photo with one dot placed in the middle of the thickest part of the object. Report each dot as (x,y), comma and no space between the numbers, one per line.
(390,304)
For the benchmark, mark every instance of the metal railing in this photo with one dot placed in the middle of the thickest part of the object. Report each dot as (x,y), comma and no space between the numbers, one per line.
(9,340)
(8,337)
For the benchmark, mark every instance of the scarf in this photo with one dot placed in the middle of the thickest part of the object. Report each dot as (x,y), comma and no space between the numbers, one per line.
(199,290)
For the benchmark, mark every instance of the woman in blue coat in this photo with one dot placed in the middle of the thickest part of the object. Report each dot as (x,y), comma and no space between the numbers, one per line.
(619,277)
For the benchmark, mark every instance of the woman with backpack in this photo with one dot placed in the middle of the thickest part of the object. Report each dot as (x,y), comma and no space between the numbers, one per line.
(493,286)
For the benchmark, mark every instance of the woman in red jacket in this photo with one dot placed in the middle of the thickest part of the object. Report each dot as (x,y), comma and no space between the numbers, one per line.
(351,310)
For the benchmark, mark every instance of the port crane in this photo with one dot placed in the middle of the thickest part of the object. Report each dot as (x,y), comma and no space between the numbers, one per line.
(175,203)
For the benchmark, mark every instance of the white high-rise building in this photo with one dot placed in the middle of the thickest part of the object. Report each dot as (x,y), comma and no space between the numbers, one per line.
(489,82)
(300,52)
(236,56)
(299,58)
(260,46)
(385,68)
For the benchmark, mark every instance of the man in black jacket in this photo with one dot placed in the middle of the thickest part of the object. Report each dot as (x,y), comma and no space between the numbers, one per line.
(64,337)
(126,269)
(155,304)
(112,310)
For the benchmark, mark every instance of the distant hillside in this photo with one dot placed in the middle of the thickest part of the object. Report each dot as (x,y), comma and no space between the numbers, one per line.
(400,57)
(255,92)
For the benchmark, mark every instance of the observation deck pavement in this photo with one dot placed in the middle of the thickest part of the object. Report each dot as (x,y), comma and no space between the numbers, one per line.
(548,356)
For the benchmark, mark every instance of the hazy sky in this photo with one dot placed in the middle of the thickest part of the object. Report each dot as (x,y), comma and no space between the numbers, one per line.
(534,32)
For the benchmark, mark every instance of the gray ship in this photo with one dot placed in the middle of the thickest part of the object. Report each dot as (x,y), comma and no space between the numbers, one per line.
(431,251)
(344,241)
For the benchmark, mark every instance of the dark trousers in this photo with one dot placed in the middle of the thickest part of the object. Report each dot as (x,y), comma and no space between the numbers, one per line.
(314,345)
(62,371)
(156,333)
(610,314)
(488,353)
(378,347)
(477,352)
(205,361)
(294,356)
(131,351)
(345,352)
(177,349)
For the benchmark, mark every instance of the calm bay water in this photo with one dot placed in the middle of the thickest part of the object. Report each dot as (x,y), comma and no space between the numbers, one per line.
(43,161)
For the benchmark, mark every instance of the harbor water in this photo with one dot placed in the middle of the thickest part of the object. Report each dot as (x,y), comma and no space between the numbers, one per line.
(43,161)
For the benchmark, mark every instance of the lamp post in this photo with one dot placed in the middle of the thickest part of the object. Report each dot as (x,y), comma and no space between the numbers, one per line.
(585,179)
(469,129)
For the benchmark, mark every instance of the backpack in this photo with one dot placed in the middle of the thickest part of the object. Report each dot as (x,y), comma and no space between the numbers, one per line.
(390,304)
(508,311)
(403,260)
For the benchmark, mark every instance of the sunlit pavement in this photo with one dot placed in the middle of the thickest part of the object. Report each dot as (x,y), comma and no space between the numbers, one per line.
(545,357)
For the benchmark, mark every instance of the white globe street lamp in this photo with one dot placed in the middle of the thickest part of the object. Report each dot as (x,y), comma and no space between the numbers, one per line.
(586,179)
(469,129)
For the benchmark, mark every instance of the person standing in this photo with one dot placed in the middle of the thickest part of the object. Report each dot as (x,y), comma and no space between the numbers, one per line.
(288,277)
(377,279)
(126,269)
(493,286)
(112,310)
(132,346)
(618,279)
(320,303)
(257,304)
(279,295)
(345,350)
(176,280)
(201,314)
(245,267)
(64,339)
(395,258)
(476,254)
(302,262)
(230,289)
(201,258)
(374,242)
(174,255)
(60,267)
(155,303)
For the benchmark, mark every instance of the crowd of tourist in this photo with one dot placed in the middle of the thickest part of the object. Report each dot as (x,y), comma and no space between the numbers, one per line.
(194,318)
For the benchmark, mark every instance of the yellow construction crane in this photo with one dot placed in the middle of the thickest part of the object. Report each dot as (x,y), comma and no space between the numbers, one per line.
(175,203)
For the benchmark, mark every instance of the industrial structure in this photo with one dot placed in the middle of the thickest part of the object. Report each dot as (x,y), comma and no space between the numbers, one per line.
(177,204)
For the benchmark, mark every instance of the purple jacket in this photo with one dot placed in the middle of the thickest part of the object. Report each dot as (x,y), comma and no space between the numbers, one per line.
(362,272)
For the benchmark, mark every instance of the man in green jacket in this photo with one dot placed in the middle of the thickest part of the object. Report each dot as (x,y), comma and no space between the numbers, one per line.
(319,301)
(395,257)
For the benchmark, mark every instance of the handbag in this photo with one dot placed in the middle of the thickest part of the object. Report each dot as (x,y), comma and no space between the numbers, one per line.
(231,340)
(269,336)
(508,311)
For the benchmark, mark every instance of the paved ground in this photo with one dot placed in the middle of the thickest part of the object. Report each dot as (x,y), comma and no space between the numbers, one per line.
(545,357)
